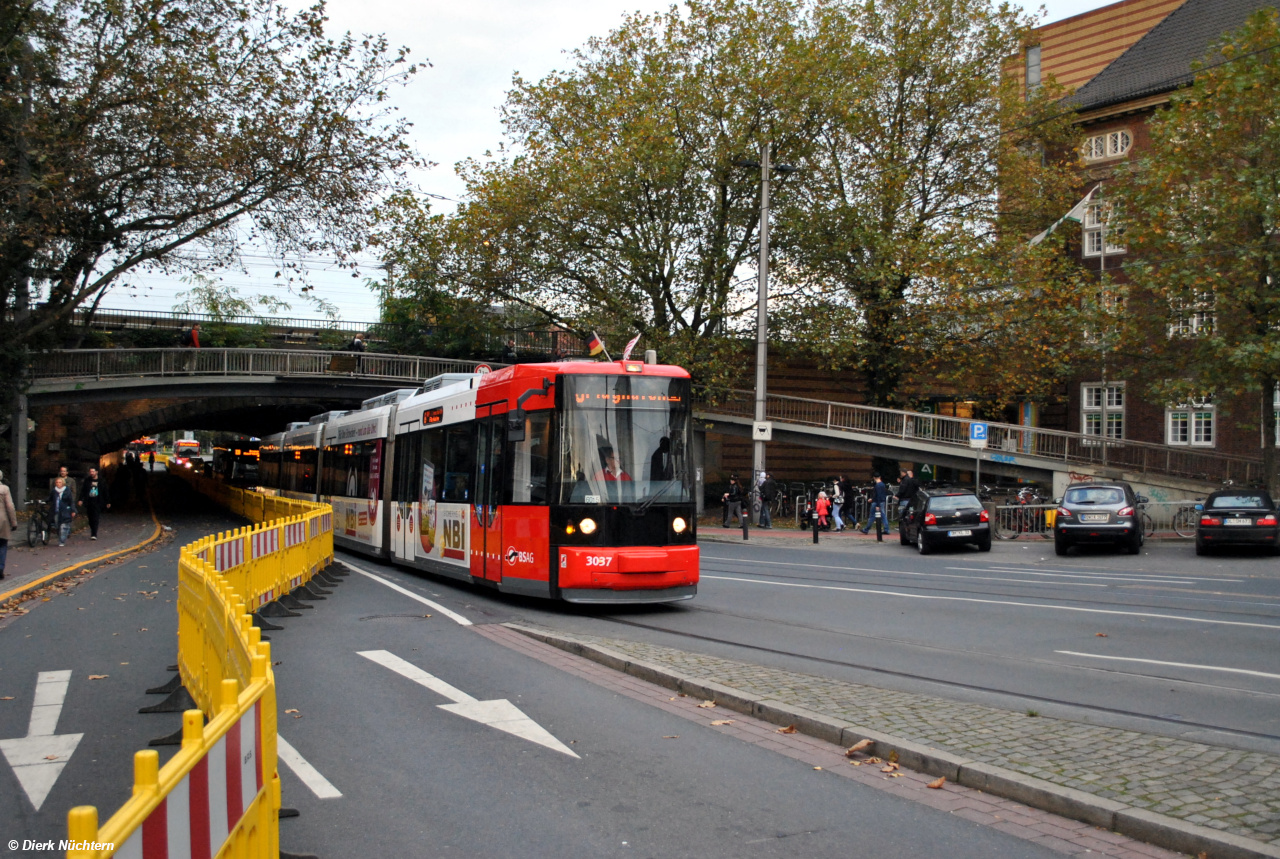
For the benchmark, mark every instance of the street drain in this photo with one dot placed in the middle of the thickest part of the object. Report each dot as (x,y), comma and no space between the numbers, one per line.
(395,617)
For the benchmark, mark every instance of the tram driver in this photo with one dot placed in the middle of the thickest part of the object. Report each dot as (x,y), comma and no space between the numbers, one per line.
(611,466)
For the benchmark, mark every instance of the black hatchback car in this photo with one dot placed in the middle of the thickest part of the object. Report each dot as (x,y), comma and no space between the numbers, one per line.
(1237,517)
(941,517)
(1100,512)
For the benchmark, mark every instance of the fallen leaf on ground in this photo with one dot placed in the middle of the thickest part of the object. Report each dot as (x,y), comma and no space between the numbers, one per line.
(893,756)
(707,705)
(143,629)
(857,747)
(671,737)
(895,775)
(722,722)
(874,761)
(888,768)
(99,676)
(1100,634)
(817,768)
(124,663)
(7,698)
(937,783)
(789,729)
(291,711)
(856,763)
(50,757)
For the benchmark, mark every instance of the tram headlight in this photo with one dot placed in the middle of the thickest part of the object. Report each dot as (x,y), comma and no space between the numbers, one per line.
(679,525)
(587,526)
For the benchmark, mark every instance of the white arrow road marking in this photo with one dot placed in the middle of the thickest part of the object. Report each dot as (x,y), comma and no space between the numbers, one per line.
(309,775)
(38,758)
(499,713)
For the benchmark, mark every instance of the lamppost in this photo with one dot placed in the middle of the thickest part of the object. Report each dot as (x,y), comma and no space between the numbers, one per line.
(762,304)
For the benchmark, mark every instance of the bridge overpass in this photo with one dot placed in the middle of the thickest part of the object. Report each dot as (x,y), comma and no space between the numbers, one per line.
(259,390)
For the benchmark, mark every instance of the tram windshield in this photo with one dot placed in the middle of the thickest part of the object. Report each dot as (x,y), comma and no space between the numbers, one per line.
(625,439)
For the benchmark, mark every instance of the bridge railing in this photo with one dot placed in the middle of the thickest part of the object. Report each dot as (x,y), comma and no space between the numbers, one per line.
(1004,440)
(103,364)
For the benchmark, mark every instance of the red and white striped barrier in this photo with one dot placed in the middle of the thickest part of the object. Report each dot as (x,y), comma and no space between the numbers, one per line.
(195,819)
(229,554)
(326,521)
(265,542)
(294,533)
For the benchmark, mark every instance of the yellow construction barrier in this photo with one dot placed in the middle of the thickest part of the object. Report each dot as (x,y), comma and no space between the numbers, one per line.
(223,782)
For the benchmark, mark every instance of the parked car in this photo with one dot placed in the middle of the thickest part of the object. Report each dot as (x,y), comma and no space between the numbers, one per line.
(1099,512)
(945,517)
(1236,517)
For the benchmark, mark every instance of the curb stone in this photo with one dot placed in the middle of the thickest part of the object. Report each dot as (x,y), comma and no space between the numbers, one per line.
(1157,829)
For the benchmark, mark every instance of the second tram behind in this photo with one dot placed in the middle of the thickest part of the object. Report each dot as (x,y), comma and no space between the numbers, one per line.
(571,480)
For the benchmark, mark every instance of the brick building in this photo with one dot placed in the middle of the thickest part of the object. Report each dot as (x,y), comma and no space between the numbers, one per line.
(1125,61)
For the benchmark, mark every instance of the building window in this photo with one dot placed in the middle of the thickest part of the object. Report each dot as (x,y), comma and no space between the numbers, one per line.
(1096,218)
(1033,70)
(1194,318)
(1113,144)
(1191,423)
(1091,409)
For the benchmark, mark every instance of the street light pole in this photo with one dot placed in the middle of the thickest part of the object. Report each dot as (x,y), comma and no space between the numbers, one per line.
(762,315)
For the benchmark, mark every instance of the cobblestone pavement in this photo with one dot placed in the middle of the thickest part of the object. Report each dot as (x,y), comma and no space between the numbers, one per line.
(1228,790)
(1069,837)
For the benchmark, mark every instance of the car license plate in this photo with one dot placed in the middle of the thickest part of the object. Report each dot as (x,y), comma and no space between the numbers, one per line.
(1237,521)
(1093,517)
(959,533)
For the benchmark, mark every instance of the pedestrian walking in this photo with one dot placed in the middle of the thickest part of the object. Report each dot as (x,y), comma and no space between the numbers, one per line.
(66,478)
(356,344)
(8,521)
(908,486)
(94,499)
(837,501)
(190,339)
(768,492)
(62,509)
(733,501)
(823,506)
(879,505)
(151,459)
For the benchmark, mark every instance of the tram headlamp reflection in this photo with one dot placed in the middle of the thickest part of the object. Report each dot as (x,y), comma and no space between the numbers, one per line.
(588,526)
(679,525)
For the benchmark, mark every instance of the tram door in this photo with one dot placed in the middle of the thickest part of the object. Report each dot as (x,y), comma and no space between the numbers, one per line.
(487,550)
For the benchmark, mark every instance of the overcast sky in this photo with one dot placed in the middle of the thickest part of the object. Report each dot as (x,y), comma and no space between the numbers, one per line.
(474,48)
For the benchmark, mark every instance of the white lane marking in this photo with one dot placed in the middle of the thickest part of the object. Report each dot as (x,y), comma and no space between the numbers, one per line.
(498,713)
(1000,602)
(416,674)
(1172,578)
(306,773)
(1171,664)
(452,615)
(1185,580)
(39,757)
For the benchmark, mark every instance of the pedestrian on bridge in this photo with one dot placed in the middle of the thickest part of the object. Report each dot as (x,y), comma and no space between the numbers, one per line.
(94,500)
(8,521)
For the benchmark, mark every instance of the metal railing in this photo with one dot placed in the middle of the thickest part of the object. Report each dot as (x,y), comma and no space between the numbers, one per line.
(110,316)
(107,364)
(1071,449)
(1162,519)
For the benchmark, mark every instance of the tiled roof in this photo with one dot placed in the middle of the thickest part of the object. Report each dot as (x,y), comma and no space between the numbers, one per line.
(1161,60)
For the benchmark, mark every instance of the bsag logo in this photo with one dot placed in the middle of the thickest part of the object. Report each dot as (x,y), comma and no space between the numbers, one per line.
(514,556)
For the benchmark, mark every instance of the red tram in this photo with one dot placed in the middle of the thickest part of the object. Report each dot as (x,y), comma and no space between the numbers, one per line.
(571,480)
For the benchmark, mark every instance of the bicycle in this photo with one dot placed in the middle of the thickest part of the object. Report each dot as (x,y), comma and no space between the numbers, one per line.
(1186,519)
(1021,518)
(38,524)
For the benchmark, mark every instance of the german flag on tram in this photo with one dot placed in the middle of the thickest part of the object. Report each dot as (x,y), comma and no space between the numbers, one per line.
(595,345)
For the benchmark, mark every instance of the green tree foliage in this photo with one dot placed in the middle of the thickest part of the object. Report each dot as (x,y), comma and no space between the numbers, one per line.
(618,206)
(170,134)
(1201,219)
(923,182)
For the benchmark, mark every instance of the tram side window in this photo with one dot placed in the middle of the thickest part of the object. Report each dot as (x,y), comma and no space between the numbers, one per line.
(407,459)
(269,468)
(530,460)
(347,468)
(459,463)
(300,470)
(428,471)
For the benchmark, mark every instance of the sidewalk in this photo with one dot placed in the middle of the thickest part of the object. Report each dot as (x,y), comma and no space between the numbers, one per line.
(121,529)
(1189,797)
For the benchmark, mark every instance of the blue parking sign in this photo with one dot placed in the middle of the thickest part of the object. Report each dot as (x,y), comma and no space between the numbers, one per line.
(978,432)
